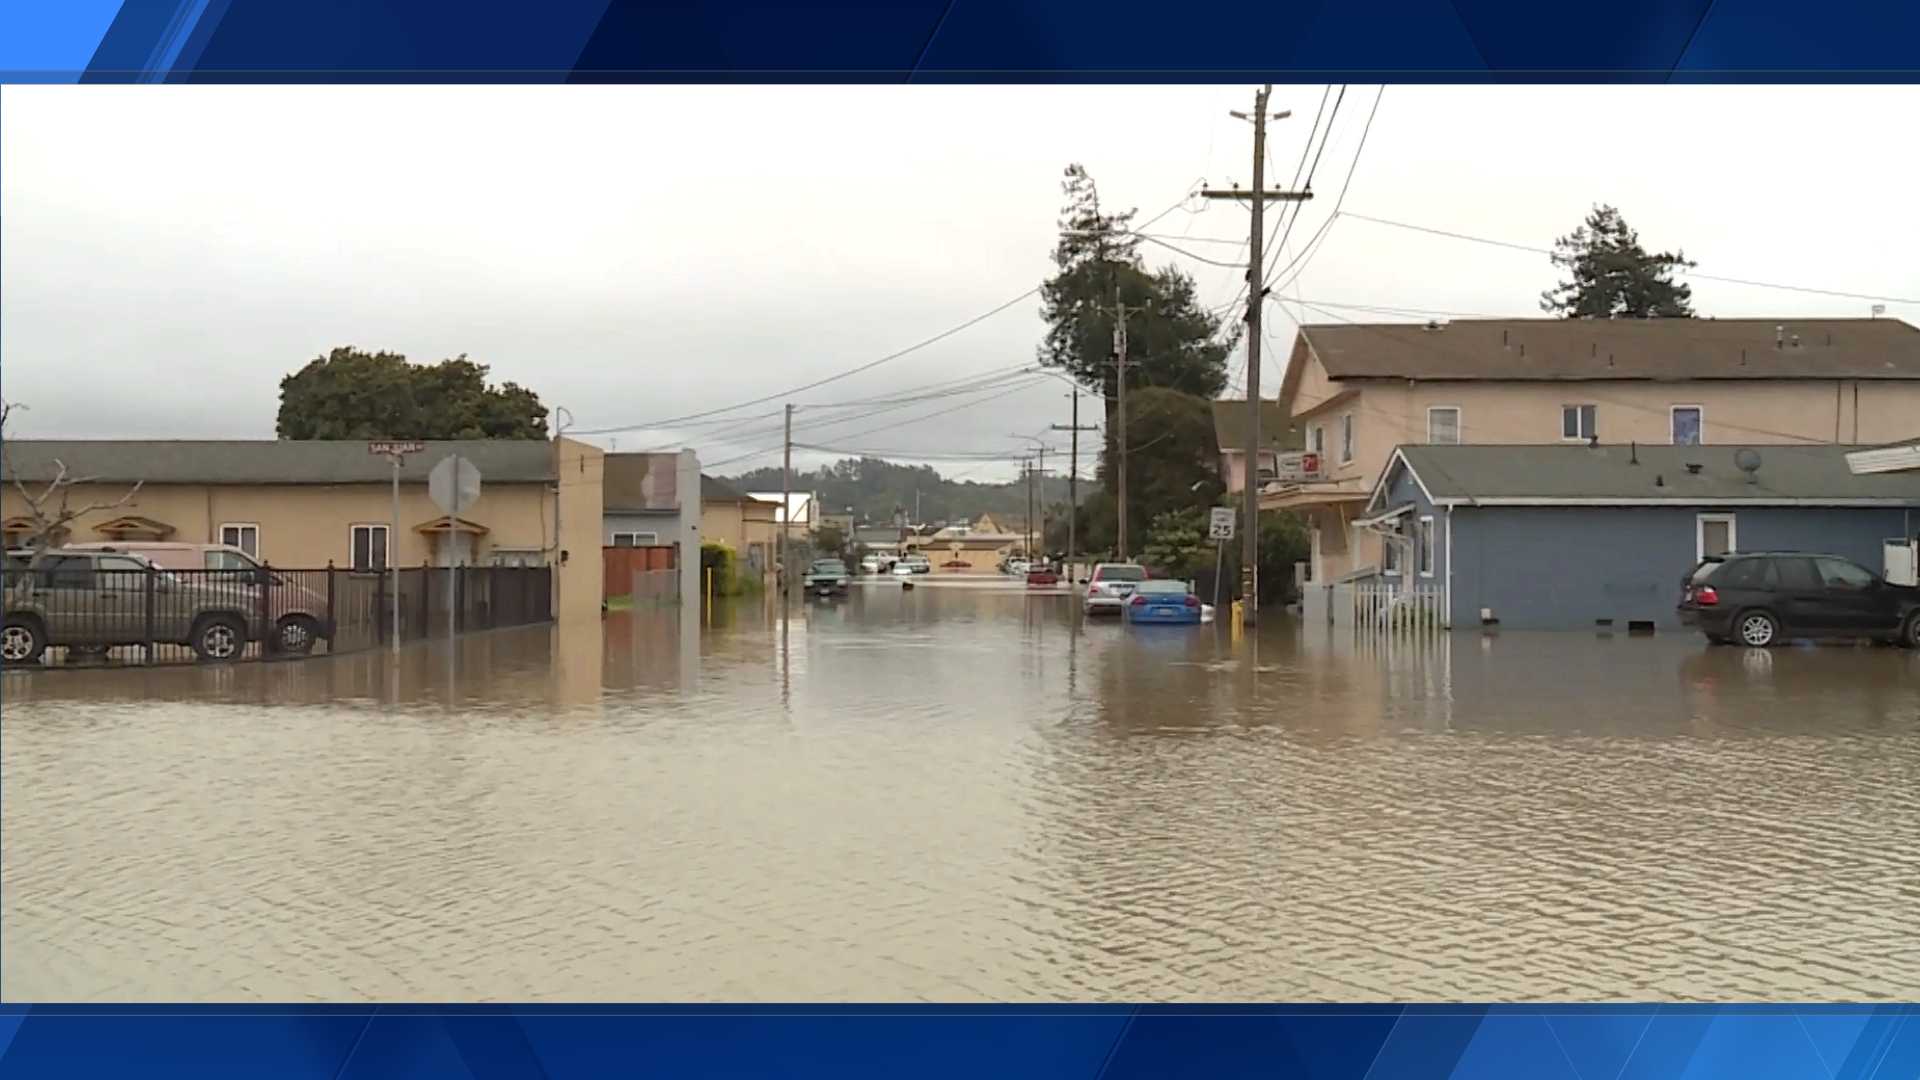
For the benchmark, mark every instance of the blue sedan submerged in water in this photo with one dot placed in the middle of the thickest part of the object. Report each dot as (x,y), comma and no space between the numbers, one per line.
(1162,601)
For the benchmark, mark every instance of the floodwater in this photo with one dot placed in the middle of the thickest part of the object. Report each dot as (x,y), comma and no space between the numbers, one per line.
(966,794)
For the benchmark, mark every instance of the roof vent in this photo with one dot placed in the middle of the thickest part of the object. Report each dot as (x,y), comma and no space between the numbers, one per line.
(1659,481)
(1779,337)
(1693,468)
(1796,341)
(1747,459)
(1433,325)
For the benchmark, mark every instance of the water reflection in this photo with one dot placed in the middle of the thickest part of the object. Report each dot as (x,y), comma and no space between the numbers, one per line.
(968,794)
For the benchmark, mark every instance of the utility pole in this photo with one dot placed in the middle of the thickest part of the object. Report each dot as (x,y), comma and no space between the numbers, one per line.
(786,516)
(1073,482)
(1258,197)
(1040,501)
(1026,468)
(1120,446)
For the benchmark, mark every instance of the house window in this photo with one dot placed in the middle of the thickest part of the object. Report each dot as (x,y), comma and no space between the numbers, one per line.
(1577,421)
(369,545)
(1423,547)
(1443,425)
(1715,534)
(1687,425)
(244,536)
(1317,439)
(636,539)
(1346,438)
(1390,555)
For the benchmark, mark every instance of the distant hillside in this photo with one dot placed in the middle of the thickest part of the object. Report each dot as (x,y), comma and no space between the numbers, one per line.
(876,488)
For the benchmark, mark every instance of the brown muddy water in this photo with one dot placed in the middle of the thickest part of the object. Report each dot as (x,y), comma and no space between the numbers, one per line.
(967,795)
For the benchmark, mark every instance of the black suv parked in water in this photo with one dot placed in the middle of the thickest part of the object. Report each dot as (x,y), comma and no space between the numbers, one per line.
(1764,598)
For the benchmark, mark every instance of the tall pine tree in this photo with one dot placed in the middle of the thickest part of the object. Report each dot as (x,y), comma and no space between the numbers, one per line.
(1613,276)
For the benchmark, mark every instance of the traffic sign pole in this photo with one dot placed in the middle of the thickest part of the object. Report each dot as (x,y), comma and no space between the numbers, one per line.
(395,451)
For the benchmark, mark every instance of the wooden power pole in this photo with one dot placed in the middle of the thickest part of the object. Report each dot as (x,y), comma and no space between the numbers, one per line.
(1120,380)
(786,513)
(1258,197)
(1073,482)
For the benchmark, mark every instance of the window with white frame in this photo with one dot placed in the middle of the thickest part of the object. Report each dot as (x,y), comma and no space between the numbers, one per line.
(1688,424)
(1578,421)
(1346,438)
(368,547)
(1390,554)
(1715,534)
(243,535)
(1423,547)
(636,539)
(1443,425)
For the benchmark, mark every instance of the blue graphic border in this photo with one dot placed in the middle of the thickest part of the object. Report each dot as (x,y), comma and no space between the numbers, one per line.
(1333,1042)
(947,41)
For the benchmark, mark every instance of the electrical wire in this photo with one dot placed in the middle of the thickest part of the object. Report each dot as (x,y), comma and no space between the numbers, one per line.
(848,373)
(1298,208)
(1690,273)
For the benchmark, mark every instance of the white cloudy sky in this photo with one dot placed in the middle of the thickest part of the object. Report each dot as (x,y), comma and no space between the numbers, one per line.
(639,253)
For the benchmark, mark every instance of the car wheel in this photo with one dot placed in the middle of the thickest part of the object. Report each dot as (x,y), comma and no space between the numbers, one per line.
(295,636)
(1757,629)
(219,637)
(1910,637)
(22,641)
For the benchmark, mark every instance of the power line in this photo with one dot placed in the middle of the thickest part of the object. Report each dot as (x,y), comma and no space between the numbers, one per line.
(1298,209)
(850,372)
(1690,273)
(1307,253)
(885,427)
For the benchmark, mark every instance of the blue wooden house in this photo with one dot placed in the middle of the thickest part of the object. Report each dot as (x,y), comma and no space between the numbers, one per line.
(1574,537)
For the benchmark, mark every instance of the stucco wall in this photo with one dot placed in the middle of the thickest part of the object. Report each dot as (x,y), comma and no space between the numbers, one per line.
(1565,568)
(577,584)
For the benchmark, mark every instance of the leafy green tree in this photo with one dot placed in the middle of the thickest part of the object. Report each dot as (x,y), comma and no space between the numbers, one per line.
(1174,461)
(1613,276)
(1173,341)
(1177,543)
(1283,542)
(354,394)
(830,543)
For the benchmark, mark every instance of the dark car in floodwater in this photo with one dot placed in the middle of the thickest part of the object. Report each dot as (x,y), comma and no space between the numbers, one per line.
(1764,598)
(828,577)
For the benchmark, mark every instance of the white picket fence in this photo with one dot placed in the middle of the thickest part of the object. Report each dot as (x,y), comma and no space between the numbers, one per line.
(1376,606)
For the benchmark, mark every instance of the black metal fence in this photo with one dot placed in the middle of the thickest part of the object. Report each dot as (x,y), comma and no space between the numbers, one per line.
(80,612)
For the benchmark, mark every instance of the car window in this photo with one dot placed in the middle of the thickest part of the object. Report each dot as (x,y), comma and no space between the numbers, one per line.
(1705,570)
(1121,573)
(229,560)
(1738,574)
(67,572)
(1797,574)
(1840,574)
(1162,587)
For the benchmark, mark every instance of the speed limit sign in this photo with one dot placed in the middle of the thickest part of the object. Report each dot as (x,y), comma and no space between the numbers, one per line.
(1220,523)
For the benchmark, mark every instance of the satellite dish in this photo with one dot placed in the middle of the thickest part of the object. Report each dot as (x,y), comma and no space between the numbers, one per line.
(1747,459)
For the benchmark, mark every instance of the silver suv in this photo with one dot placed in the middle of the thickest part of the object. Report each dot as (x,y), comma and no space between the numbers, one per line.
(91,601)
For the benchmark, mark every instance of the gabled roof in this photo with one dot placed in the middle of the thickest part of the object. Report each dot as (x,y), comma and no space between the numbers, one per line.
(1588,349)
(268,461)
(1812,475)
(797,507)
(1230,426)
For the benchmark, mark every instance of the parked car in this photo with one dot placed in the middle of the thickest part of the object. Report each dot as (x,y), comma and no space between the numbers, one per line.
(90,600)
(901,569)
(298,614)
(919,564)
(1110,585)
(1162,600)
(1763,598)
(827,577)
(870,564)
(1018,567)
(1042,575)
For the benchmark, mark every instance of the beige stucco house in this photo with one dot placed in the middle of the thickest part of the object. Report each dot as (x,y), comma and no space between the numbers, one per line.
(1354,392)
(743,523)
(1230,418)
(308,504)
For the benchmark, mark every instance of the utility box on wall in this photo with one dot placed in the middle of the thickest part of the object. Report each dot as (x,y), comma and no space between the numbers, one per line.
(1903,561)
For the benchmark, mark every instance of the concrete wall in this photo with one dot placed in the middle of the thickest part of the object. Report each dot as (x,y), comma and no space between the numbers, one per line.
(1565,568)
(577,580)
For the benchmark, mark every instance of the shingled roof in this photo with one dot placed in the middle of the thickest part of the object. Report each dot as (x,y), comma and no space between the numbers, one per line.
(1650,475)
(267,461)
(1584,349)
(1230,426)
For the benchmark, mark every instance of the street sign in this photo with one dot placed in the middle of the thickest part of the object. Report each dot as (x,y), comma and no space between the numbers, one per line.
(454,484)
(1220,523)
(1297,467)
(395,447)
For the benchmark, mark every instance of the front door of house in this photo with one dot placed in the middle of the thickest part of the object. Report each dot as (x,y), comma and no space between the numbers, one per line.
(453,549)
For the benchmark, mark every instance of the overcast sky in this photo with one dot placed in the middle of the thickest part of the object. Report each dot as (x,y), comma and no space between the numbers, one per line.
(167,254)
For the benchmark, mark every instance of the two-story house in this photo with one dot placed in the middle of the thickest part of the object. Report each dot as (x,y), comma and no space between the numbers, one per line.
(1353,392)
(1230,434)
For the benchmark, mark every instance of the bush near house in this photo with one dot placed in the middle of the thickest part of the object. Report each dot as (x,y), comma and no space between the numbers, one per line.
(725,565)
